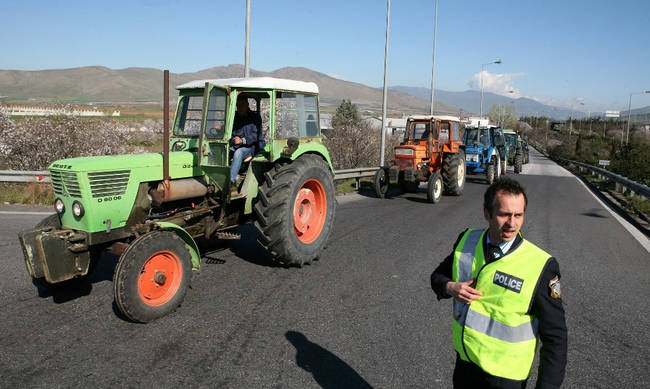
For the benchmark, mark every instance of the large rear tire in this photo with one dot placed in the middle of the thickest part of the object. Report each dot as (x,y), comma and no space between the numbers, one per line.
(453,173)
(295,211)
(381,182)
(152,276)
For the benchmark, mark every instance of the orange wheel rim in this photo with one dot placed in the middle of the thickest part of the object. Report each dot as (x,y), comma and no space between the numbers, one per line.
(309,211)
(160,278)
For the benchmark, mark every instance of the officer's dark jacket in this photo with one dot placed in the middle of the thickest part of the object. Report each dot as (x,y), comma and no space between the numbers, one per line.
(548,310)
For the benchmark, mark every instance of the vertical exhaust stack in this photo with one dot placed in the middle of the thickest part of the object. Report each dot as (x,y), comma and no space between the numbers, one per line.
(166,127)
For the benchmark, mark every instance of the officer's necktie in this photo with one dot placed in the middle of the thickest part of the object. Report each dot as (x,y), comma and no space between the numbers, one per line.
(494,252)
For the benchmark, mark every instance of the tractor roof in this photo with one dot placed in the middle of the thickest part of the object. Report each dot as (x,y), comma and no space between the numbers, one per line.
(255,83)
(509,132)
(439,117)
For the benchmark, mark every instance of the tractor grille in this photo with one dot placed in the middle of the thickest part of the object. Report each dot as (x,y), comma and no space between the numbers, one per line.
(112,183)
(65,183)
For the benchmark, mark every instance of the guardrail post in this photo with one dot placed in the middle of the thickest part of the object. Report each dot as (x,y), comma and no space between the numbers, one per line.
(357,183)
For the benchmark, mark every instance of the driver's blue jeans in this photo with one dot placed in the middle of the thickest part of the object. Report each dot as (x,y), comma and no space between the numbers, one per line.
(237,158)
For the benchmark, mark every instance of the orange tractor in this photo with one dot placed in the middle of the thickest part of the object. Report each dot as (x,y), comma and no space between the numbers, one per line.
(432,152)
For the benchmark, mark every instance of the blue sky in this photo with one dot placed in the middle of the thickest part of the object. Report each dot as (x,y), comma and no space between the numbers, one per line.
(558,52)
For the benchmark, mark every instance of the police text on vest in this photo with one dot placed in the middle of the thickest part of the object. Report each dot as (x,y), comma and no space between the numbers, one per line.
(509,282)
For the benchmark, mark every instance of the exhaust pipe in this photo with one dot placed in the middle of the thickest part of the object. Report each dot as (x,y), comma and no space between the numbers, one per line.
(182,189)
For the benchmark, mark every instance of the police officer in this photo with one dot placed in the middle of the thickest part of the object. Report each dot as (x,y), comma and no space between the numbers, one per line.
(507,297)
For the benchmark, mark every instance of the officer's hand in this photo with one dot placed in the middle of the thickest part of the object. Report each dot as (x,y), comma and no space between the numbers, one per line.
(462,291)
(237,140)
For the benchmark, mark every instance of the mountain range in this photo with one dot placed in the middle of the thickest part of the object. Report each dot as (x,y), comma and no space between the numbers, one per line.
(101,85)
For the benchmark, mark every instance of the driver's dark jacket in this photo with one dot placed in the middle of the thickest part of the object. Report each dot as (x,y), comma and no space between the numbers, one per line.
(248,128)
(548,310)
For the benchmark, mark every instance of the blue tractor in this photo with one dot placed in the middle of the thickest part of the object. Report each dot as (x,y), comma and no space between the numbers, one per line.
(486,151)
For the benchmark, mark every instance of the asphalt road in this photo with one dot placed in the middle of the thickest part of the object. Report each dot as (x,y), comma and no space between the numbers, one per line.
(362,316)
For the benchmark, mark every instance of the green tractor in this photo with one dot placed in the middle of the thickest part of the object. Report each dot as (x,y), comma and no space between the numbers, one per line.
(515,150)
(150,208)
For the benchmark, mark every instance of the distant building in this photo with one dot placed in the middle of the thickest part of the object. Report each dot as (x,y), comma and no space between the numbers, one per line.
(23,110)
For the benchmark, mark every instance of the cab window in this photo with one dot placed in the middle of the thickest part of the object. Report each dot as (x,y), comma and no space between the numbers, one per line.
(296,115)
(188,117)
(444,132)
(215,121)
(420,131)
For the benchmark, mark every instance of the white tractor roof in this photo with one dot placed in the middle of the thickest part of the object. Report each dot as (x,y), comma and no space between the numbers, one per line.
(439,117)
(256,83)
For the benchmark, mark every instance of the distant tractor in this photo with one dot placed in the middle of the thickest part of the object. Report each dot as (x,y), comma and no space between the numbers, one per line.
(486,151)
(516,153)
(150,208)
(432,152)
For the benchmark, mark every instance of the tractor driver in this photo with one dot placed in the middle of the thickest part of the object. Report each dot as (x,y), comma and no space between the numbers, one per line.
(245,130)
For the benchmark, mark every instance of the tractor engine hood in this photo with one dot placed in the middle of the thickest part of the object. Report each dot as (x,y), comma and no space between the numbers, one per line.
(181,163)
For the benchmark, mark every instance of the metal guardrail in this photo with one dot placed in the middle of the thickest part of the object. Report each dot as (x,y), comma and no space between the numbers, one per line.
(24,176)
(623,182)
(44,176)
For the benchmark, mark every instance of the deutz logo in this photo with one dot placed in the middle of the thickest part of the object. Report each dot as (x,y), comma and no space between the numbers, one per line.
(61,166)
(509,282)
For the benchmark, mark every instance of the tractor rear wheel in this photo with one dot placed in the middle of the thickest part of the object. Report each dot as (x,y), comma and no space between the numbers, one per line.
(434,188)
(152,276)
(453,173)
(295,211)
(381,182)
(518,162)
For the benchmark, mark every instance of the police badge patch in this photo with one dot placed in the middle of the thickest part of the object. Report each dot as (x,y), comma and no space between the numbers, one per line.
(556,288)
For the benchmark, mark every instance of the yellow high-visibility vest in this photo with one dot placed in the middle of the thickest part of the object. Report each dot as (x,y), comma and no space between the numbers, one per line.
(495,331)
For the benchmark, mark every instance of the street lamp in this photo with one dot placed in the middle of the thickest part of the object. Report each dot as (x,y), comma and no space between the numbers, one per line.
(629,114)
(497,62)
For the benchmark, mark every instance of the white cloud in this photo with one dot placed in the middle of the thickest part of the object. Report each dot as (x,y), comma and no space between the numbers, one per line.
(500,84)
(337,76)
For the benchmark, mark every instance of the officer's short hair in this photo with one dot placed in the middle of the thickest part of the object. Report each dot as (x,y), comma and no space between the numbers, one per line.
(503,184)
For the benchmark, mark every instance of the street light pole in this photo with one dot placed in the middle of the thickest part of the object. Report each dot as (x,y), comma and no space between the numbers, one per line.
(383,109)
(629,114)
(247,65)
(498,61)
(433,66)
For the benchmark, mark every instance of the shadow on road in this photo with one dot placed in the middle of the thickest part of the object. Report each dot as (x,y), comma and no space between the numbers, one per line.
(477,179)
(75,288)
(246,248)
(328,370)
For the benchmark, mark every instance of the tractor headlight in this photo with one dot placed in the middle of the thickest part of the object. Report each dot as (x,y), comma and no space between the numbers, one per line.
(59,206)
(403,151)
(77,209)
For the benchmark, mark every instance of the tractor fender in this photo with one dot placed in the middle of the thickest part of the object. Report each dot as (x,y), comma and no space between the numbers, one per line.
(187,238)
(492,152)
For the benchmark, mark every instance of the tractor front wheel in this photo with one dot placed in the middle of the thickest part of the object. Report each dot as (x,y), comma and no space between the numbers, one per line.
(381,182)
(152,276)
(491,171)
(518,162)
(453,173)
(295,211)
(434,188)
